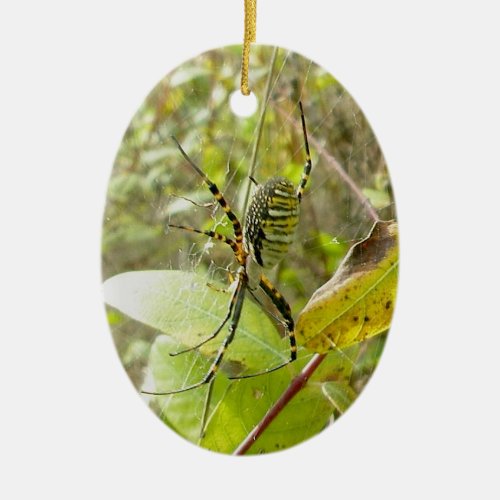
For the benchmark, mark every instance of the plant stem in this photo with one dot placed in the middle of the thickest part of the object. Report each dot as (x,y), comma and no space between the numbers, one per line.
(295,386)
(332,161)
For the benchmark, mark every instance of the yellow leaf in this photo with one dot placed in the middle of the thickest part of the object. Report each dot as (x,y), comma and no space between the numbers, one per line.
(358,301)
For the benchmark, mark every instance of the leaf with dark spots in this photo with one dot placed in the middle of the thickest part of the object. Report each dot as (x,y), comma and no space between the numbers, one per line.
(358,301)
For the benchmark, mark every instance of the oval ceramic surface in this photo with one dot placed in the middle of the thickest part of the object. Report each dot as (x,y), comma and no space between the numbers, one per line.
(249,333)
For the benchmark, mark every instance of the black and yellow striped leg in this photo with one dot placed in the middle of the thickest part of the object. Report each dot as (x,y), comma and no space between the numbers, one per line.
(308,165)
(238,232)
(214,367)
(284,309)
(211,234)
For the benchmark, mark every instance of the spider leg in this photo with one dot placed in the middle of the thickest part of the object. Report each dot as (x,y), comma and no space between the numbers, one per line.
(234,247)
(308,165)
(284,309)
(211,234)
(238,306)
(238,232)
(219,328)
(280,321)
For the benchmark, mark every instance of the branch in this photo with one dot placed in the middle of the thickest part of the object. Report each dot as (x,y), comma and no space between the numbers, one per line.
(332,161)
(295,386)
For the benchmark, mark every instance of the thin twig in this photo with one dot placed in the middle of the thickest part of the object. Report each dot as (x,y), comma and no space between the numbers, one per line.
(332,161)
(295,386)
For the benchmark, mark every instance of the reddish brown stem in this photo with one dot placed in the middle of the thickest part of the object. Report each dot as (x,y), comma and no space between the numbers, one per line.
(295,386)
(332,161)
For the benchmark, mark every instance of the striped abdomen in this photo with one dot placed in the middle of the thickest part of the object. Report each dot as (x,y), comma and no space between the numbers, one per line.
(271,221)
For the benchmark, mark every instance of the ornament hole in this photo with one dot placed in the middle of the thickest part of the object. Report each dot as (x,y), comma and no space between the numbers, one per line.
(243,105)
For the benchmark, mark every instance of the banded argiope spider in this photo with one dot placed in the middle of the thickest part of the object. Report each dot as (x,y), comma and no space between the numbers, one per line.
(270,224)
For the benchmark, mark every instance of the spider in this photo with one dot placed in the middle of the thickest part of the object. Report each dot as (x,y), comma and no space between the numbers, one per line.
(270,224)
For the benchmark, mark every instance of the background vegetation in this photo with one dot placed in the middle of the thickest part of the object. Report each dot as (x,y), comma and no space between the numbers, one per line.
(152,185)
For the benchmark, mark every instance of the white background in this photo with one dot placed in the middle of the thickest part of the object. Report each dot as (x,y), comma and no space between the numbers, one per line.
(426,75)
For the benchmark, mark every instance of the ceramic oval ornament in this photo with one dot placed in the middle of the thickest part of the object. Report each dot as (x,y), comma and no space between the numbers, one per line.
(250,256)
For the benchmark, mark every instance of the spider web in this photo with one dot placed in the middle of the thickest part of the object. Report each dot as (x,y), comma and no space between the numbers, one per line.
(152,185)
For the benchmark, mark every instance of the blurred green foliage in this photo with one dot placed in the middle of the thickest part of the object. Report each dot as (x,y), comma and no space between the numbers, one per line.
(152,185)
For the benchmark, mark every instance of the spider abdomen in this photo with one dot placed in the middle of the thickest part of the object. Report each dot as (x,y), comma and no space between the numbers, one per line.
(271,221)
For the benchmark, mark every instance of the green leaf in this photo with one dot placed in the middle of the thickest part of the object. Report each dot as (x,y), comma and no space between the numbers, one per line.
(357,303)
(187,74)
(378,198)
(184,412)
(340,395)
(247,401)
(136,350)
(183,306)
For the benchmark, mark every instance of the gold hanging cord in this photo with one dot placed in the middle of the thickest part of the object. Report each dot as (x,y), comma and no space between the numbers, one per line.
(250,35)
